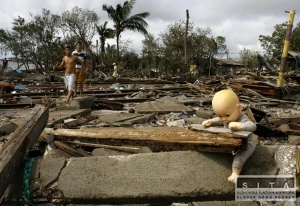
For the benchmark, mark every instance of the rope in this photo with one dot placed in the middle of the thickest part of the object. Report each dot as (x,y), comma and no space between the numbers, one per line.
(26,183)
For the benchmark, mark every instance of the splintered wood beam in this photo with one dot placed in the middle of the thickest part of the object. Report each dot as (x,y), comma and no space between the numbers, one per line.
(220,130)
(158,139)
(120,148)
(14,150)
(77,122)
(65,147)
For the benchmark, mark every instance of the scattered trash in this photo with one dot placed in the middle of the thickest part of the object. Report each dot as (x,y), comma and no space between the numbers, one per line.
(196,82)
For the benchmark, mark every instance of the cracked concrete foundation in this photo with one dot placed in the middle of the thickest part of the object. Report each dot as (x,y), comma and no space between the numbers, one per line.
(149,177)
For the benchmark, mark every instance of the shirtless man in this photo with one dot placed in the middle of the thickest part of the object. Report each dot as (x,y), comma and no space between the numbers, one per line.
(69,61)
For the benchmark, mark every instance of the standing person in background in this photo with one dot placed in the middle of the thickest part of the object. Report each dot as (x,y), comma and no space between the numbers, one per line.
(115,74)
(69,61)
(81,69)
(5,64)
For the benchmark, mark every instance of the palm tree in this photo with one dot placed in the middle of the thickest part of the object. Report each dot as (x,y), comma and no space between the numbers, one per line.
(123,21)
(104,33)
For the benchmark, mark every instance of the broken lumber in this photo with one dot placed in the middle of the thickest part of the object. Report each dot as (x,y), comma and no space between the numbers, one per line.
(14,150)
(77,122)
(220,130)
(65,147)
(157,139)
(120,148)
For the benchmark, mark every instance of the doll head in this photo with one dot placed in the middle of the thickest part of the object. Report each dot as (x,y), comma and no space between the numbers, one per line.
(226,105)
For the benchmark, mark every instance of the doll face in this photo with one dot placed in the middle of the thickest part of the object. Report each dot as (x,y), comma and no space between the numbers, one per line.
(227,106)
(231,114)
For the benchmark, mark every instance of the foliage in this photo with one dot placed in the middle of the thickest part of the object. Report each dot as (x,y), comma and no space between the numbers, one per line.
(273,45)
(295,38)
(123,21)
(104,33)
(150,55)
(41,40)
(249,58)
(202,47)
(80,22)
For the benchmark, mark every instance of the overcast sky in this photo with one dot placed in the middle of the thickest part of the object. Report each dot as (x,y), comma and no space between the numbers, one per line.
(239,21)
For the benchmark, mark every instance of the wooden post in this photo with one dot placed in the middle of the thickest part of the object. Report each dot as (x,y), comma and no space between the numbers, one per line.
(14,150)
(185,37)
(286,48)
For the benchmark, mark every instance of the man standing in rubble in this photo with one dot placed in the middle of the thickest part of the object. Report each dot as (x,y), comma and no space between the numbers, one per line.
(4,66)
(81,73)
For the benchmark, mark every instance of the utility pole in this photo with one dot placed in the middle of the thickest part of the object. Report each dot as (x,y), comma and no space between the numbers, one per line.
(286,48)
(185,36)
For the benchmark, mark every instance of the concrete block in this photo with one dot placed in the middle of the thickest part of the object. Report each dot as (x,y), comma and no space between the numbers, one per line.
(8,127)
(77,103)
(181,176)
(294,139)
(205,114)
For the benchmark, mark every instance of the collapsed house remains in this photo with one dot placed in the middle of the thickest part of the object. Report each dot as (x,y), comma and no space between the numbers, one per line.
(139,141)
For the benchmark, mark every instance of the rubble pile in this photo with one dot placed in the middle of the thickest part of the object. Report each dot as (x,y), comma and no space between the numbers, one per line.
(142,117)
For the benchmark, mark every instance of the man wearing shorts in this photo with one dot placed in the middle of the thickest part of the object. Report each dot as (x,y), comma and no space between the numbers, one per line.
(81,69)
(69,61)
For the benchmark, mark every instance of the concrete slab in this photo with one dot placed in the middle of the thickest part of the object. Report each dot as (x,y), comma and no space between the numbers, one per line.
(110,152)
(182,176)
(161,107)
(117,117)
(49,170)
(194,120)
(85,102)
(56,117)
(8,127)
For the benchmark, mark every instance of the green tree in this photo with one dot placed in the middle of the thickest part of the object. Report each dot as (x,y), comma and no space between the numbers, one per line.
(44,28)
(295,39)
(273,44)
(104,33)
(249,58)
(81,23)
(109,56)
(202,48)
(172,48)
(123,21)
(150,54)
(19,42)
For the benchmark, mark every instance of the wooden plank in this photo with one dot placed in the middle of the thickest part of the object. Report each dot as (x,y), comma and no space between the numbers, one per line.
(120,148)
(69,149)
(65,147)
(76,122)
(14,150)
(220,130)
(158,139)
(280,121)
(118,117)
